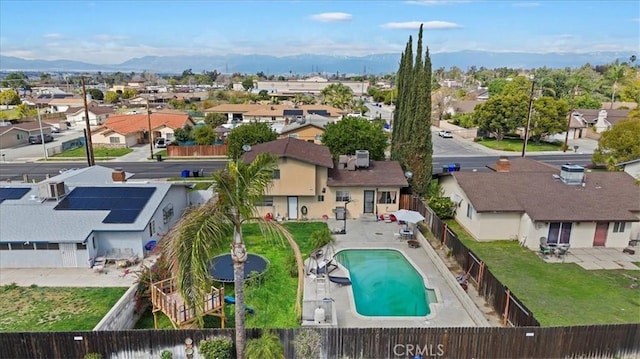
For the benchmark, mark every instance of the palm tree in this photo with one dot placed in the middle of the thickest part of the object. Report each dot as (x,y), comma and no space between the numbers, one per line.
(337,95)
(615,74)
(203,230)
(268,346)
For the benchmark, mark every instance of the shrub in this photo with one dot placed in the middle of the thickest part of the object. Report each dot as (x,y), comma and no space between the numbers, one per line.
(166,355)
(268,346)
(93,356)
(307,344)
(321,238)
(216,348)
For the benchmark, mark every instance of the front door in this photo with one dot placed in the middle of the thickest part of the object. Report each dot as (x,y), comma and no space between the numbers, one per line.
(292,207)
(369,204)
(68,253)
(600,237)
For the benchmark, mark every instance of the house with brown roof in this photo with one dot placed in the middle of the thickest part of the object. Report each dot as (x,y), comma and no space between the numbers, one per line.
(526,200)
(245,113)
(129,130)
(63,104)
(97,115)
(307,183)
(12,135)
(309,128)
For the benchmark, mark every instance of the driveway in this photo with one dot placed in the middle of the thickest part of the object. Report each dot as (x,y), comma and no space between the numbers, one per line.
(27,153)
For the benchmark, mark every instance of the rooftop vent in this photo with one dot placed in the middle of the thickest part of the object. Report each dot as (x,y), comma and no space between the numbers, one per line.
(51,190)
(572,174)
(362,158)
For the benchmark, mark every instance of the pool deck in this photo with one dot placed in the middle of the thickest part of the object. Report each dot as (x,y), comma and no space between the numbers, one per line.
(454,307)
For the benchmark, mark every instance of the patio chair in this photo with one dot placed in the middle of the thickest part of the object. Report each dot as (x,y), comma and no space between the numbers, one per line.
(545,249)
(562,250)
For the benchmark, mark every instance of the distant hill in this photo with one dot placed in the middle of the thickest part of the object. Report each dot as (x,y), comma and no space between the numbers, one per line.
(304,64)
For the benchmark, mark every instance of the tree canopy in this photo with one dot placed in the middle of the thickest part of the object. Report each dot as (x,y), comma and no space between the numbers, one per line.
(249,134)
(337,95)
(9,97)
(621,143)
(96,94)
(346,136)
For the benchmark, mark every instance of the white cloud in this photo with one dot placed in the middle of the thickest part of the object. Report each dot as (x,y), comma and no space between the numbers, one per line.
(52,36)
(427,25)
(636,19)
(436,2)
(331,17)
(525,4)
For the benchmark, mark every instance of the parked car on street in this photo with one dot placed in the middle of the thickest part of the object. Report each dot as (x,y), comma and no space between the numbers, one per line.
(38,139)
(445,134)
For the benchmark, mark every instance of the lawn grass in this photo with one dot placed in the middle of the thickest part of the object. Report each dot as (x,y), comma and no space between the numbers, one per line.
(9,114)
(54,309)
(99,152)
(515,145)
(559,294)
(273,298)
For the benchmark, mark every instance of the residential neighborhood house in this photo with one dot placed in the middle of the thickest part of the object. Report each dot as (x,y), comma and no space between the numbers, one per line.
(71,219)
(63,104)
(245,113)
(526,200)
(18,134)
(308,128)
(309,185)
(130,130)
(97,115)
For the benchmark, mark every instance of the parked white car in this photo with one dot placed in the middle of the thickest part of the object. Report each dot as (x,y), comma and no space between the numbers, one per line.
(445,134)
(161,142)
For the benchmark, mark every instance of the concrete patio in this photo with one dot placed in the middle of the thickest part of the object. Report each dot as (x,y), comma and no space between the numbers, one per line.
(598,258)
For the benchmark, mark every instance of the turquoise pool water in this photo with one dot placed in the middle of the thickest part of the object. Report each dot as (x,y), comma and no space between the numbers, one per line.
(384,283)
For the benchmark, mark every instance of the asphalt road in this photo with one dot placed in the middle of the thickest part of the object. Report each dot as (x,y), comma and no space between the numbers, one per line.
(166,169)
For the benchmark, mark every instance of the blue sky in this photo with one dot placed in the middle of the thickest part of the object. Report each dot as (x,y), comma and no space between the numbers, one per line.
(104,32)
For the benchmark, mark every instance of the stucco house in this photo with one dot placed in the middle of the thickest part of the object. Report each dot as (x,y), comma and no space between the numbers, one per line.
(309,128)
(97,115)
(129,130)
(63,104)
(12,135)
(307,183)
(70,219)
(631,167)
(245,113)
(525,200)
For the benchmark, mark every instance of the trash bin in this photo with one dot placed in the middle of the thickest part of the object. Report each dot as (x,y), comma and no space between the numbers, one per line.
(196,173)
(159,158)
(184,174)
(340,213)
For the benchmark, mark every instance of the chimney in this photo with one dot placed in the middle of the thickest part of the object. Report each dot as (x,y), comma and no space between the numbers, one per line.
(503,164)
(118,175)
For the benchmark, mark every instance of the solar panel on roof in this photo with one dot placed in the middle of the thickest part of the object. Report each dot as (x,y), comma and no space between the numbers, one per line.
(124,203)
(318,112)
(12,193)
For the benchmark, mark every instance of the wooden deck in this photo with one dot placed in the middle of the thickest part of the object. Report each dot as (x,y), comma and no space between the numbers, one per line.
(165,298)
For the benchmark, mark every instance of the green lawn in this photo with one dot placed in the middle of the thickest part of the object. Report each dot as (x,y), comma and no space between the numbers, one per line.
(99,152)
(559,294)
(274,297)
(515,145)
(9,114)
(54,309)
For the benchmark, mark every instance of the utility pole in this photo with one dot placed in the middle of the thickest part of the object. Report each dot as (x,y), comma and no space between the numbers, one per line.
(566,135)
(526,129)
(149,123)
(44,147)
(90,159)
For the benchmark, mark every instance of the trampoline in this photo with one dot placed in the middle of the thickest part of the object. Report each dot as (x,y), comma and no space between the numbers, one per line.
(222,267)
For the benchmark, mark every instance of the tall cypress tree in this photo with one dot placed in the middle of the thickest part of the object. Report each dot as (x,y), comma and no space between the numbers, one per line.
(412,125)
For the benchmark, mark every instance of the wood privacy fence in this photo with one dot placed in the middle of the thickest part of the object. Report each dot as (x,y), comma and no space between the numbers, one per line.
(513,312)
(197,150)
(598,341)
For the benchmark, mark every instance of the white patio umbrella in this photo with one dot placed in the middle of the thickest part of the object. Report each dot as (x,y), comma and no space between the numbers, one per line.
(408,216)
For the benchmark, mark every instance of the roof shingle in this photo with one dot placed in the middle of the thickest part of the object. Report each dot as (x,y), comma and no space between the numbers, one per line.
(293,148)
(379,173)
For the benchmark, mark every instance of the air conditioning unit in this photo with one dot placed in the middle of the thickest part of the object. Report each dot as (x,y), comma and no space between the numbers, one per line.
(362,158)
(51,190)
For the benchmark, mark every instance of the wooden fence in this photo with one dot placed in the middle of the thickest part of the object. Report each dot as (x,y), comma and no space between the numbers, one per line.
(598,341)
(197,150)
(513,312)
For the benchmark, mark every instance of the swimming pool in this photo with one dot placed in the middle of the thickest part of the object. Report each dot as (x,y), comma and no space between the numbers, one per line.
(384,283)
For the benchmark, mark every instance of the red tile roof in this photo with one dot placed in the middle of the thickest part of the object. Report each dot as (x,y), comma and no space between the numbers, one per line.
(293,148)
(379,173)
(126,124)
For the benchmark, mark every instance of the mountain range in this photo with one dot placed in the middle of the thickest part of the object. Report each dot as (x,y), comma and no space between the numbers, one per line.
(311,63)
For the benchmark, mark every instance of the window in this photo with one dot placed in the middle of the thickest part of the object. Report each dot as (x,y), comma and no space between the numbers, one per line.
(167,213)
(319,138)
(20,136)
(469,211)
(15,246)
(343,196)
(321,198)
(276,174)
(46,245)
(267,201)
(293,135)
(559,232)
(81,246)
(152,227)
(114,139)
(618,227)
(4,246)
(385,197)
